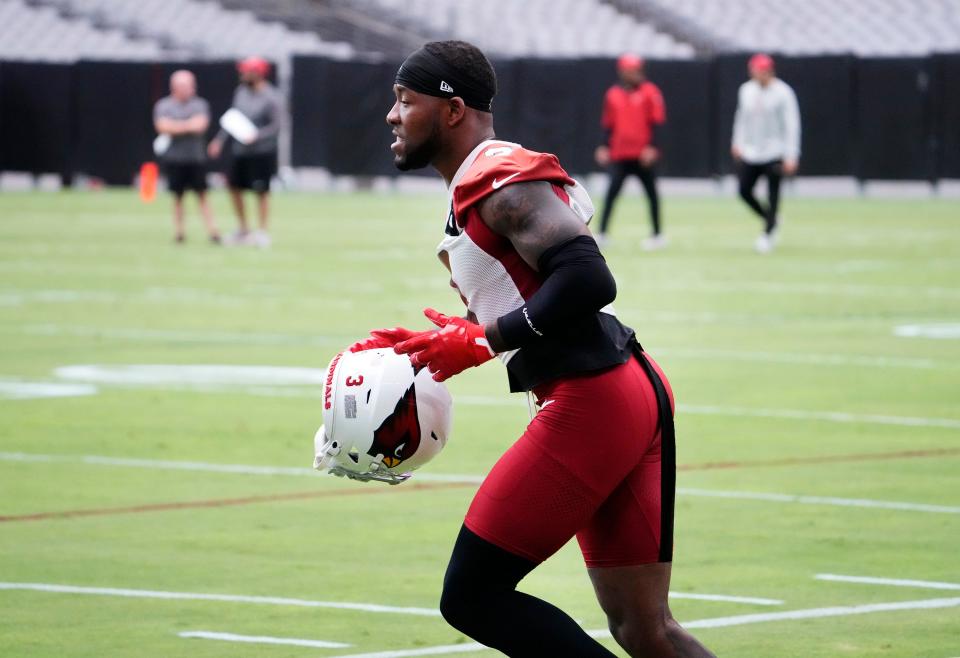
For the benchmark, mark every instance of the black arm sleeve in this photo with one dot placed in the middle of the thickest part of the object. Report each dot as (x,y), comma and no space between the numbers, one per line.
(576,282)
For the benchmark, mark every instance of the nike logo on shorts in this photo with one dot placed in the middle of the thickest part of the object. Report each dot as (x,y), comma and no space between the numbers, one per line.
(497,184)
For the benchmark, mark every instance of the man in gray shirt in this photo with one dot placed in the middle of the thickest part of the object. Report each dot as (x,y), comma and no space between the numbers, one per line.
(254,162)
(181,119)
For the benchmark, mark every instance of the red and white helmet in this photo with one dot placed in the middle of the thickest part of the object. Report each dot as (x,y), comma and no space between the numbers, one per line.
(381,417)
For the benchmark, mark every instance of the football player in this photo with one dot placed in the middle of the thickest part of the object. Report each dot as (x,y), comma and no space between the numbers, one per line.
(598,459)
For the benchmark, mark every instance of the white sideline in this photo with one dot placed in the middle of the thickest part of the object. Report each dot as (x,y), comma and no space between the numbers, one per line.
(716,622)
(896,582)
(263,639)
(227,598)
(821,500)
(244,469)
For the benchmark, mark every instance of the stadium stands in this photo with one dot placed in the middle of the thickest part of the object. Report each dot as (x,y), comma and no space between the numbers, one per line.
(66,30)
(804,27)
(42,34)
(539,28)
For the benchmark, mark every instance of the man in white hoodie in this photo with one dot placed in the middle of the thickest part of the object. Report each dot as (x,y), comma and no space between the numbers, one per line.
(766,141)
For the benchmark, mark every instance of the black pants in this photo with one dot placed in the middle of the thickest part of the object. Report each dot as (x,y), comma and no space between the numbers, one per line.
(749,175)
(619,170)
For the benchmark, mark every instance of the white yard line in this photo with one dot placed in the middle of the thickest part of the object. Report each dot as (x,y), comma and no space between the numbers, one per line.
(52,588)
(443,649)
(715,622)
(727,599)
(828,416)
(817,613)
(263,639)
(806,358)
(895,582)
(294,471)
(226,598)
(820,500)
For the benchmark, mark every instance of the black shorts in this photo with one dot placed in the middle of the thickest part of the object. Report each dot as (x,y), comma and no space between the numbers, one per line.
(252,172)
(185,176)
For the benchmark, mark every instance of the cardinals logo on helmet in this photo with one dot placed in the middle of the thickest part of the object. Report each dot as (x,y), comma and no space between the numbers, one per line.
(398,437)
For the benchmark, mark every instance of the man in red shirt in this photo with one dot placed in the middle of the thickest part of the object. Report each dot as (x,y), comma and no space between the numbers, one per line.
(632,110)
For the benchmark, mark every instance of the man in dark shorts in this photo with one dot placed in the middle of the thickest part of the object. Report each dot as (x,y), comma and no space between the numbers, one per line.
(255,161)
(598,460)
(181,119)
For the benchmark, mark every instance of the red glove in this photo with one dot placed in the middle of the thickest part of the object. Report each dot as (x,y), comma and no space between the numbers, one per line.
(386,338)
(460,344)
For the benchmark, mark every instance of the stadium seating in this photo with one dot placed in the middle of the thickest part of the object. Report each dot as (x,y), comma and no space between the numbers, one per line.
(545,28)
(65,30)
(803,27)
(42,34)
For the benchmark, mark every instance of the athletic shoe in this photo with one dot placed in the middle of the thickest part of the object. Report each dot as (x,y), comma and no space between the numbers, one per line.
(260,239)
(179,239)
(655,242)
(237,238)
(764,243)
(215,240)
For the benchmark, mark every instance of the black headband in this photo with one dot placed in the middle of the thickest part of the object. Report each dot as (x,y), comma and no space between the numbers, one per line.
(425,73)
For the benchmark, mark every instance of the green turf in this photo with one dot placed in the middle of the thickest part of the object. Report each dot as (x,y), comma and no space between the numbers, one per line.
(92,278)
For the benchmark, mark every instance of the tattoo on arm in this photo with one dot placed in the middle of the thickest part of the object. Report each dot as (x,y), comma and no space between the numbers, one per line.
(532,217)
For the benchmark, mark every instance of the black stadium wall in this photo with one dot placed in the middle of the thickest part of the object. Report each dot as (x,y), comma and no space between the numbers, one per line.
(871,118)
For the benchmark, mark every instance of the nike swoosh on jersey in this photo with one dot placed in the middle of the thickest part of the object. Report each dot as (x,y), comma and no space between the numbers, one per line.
(546,403)
(497,184)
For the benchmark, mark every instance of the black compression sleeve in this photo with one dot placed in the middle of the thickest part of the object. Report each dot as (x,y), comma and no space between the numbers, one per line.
(576,282)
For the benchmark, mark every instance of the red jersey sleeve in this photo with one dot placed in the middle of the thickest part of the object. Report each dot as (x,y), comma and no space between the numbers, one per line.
(656,108)
(502,165)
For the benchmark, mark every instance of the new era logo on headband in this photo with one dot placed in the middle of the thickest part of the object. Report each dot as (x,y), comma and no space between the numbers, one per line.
(445,87)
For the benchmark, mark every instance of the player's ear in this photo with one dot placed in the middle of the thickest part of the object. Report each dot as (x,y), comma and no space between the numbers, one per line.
(456,111)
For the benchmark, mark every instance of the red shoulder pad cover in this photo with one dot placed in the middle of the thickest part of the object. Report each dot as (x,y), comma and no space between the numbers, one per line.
(498,166)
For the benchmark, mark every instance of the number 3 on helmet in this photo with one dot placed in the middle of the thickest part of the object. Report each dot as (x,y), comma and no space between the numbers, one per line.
(382,418)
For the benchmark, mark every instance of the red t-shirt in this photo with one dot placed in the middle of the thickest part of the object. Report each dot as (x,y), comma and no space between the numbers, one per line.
(629,115)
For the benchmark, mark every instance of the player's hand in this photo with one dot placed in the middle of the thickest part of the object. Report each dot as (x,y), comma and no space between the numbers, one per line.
(602,155)
(649,155)
(460,344)
(386,338)
(789,167)
(735,152)
(214,149)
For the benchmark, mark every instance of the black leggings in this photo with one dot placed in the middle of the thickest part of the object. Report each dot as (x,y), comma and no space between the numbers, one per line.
(749,175)
(619,170)
(480,598)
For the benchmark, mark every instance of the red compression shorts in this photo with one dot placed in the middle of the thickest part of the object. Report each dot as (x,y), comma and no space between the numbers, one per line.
(589,464)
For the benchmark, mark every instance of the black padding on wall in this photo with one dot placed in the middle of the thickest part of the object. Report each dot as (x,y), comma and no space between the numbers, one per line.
(946,90)
(893,119)
(339,114)
(36,117)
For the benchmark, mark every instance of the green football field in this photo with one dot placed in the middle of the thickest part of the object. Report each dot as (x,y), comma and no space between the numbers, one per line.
(158,404)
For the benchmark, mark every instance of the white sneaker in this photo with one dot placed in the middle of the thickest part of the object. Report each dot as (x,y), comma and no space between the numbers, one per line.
(764,243)
(655,242)
(260,239)
(236,238)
